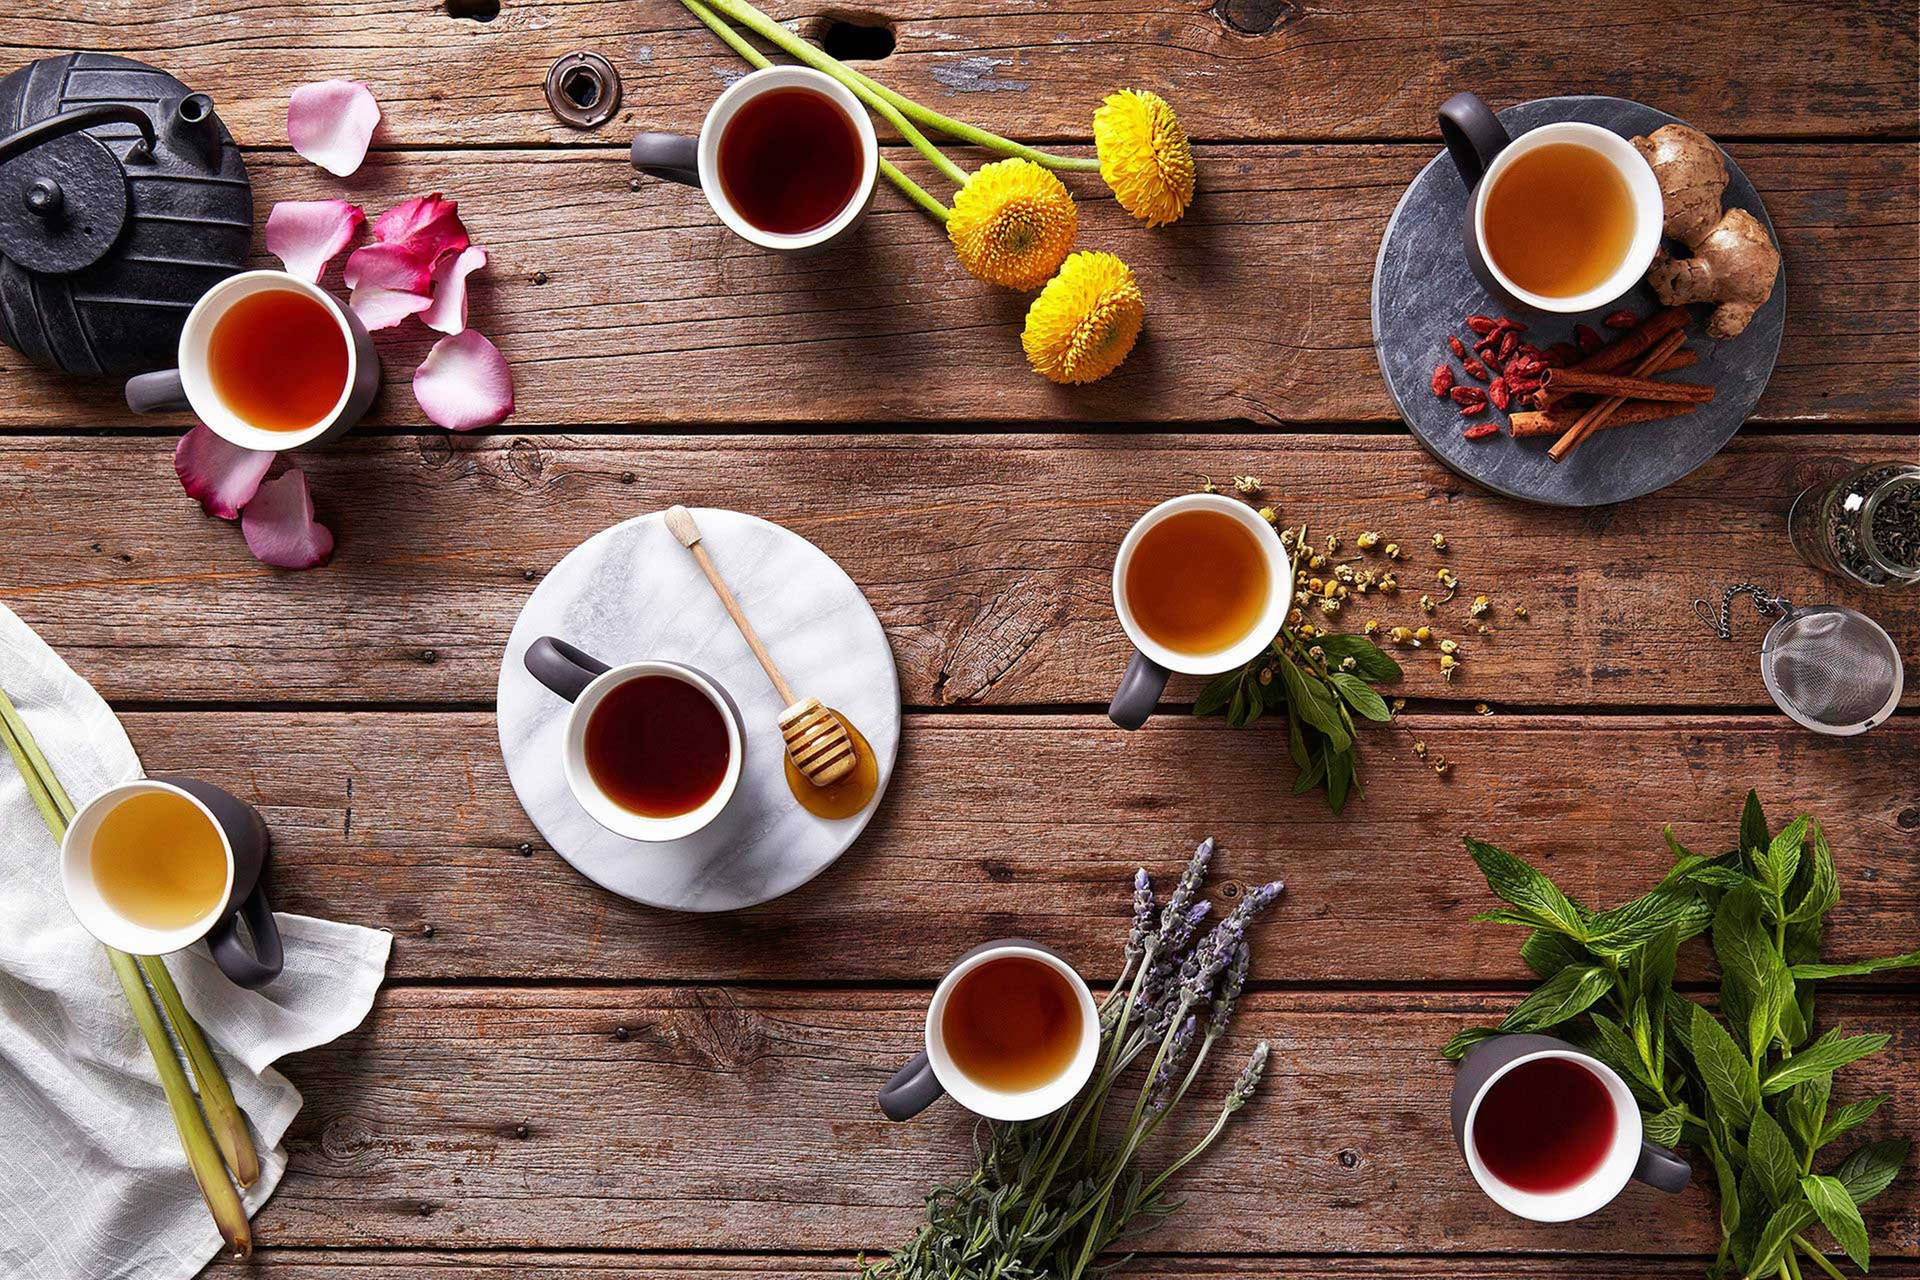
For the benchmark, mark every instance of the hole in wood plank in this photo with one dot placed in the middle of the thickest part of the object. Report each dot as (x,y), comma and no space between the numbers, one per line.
(857,37)
(474,10)
(1253,17)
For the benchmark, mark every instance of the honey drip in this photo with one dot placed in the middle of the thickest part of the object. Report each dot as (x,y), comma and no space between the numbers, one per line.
(846,797)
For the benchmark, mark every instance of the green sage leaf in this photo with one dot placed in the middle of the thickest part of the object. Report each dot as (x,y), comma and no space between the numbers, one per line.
(1567,994)
(1311,776)
(1521,885)
(1360,696)
(1725,1071)
(1370,662)
(1821,1058)
(1219,691)
(1872,1169)
(1840,1215)
(1340,779)
(1465,1040)
(1310,699)
(1297,745)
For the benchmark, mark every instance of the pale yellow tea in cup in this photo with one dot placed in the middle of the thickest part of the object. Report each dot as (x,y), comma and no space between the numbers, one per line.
(158,862)
(1197,582)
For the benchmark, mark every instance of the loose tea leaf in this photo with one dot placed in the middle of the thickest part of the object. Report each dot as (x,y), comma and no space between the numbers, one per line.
(1750,1086)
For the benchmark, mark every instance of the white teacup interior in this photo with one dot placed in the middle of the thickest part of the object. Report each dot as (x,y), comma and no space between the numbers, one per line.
(616,817)
(1030,1103)
(1593,1192)
(1649,211)
(196,377)
(83,894)
(1279,587)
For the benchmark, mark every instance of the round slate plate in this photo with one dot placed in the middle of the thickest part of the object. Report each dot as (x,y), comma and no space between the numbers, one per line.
(633,592)
(1423,288)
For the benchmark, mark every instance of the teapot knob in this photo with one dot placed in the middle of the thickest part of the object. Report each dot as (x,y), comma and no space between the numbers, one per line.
(45,200)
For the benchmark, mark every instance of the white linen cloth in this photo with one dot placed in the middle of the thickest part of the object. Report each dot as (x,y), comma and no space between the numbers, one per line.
(94,1184)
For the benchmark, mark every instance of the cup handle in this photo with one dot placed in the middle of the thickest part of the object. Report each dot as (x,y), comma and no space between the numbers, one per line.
(912,1090)
(1140,689)
(1473,134)
(561,667)
(158,392)
(223,941)
(673,156)
(1662,1170)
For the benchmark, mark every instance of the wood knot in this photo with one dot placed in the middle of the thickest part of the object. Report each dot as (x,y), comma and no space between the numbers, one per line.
(997,870)
(1349,1159)
(1909,818)
(1254,17)
(525,460)
(346,1138)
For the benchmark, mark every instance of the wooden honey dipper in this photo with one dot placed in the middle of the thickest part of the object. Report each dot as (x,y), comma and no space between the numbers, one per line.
(816,740)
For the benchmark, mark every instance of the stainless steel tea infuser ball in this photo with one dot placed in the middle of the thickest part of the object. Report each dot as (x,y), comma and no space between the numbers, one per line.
(1832,669)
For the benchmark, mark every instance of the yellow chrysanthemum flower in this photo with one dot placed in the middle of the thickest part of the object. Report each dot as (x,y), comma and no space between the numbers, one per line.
(1012,224)
(1144,156)
(1085,321)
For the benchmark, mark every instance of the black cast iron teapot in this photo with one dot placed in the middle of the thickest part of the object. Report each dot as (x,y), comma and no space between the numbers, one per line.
(122,200)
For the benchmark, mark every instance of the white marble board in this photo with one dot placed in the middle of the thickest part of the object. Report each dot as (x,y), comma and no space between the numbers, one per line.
(632,592)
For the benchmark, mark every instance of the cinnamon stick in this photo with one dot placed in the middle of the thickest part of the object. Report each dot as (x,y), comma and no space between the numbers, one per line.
(1598,416)
(1561,382)
(1627,348)
(1553,422)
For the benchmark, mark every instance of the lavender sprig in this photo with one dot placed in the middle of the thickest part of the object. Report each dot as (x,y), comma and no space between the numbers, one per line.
(1249,1078)
(1228,995)
(1142,916)
(1170,1063)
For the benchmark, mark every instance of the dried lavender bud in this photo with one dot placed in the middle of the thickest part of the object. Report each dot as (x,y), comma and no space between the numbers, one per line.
(1230,988)
(1188,887)
(1142,915)
(1217,952)
(1249,1078)
(1170,1063)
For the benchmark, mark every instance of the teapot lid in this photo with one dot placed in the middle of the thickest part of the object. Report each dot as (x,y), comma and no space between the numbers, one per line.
(62,204)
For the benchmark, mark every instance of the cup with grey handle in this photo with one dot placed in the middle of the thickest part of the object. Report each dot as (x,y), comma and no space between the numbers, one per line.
(1153,663)
(245,843)
(1630,1157)
(933,1072)
(188,386)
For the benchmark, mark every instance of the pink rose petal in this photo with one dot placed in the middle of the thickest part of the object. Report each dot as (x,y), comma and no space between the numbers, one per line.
(464,383)
(331,123)
(448,313)
(409,240)
(384,308)
(306,234)
(279,524)
(428,215)
(223,477)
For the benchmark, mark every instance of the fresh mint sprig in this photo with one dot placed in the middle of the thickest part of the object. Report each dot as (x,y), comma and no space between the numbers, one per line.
(1751,1088)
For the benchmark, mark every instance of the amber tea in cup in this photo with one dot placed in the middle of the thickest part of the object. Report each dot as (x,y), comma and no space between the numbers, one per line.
(278,360)
(790,161)
(157,861)
(1012,1024)
(657,746)
(1559,220)
(1197,582)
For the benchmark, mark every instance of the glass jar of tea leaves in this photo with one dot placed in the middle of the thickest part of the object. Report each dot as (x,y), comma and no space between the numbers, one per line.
(1864,526)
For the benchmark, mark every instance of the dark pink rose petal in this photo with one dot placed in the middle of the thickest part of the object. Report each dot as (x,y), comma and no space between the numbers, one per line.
(306,234)
(384,308)
(409,240)
(331,123)
(221,476)
(279,524)
(388,266)
(464,383)
(448,313)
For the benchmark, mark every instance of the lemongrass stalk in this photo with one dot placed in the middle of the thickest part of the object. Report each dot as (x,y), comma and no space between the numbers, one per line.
(56,807)
(869,88)
(921,143)
(224,1116)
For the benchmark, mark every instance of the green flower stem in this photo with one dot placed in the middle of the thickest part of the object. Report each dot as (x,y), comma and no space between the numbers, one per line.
(1818,1258)
(908,187)
(229,1125)
(871,89)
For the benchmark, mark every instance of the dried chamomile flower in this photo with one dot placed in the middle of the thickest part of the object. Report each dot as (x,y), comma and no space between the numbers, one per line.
(1206,483)
(1246,484)
(1348,663)
(1270,515)
(1426,605)
(1287,538)
(1266,675)
(1448,665)
(1440,765)
(1439,542)
(1420,749)
(1449,646)
(1446,578)
(1317,561)
(1373,626)
(1393,551)
(1316,585)
(1389,583)
(1317,653)
(1479,607)
(1482,709)
(1294,616)
(1423,634)
(1368,540)
(1330,606)
(1397,705)
(1400,635)
(1520,611)
(1333,543)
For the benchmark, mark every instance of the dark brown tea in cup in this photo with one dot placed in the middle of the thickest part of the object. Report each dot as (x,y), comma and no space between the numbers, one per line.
(1012,1024)
(278,360)
(790,161)
(657,746)
(1546,1126)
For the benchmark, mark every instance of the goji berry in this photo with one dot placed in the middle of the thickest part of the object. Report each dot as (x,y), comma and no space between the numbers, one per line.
(1442,379)
(1475,369)
(1497,393)
(1464,396)
(1590,341)
(1509,343)
(1458,347)
(1482,324)
(1509,323)
(1621,319)
(1481,430)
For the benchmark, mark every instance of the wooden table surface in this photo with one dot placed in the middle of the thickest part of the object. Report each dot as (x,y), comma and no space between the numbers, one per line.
(556,1083)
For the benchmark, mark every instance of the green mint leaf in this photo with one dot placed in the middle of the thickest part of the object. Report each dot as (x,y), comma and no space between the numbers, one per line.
(1729,1181)
(1823,1057)
(1465,1040)
(1822,893)
(1840,1215)
(1725,1071)
(1779,861)
(1370,662)
(1547,952)
(1566,995)
(1651,970)
(1805,1109)
(1360,696)
(1717,875)
(1871,1169)
(1744,947)
(1770,1158)
(1753,825)
(1850,1117)
(1788,1221)
(1623,929)
(1664,1127)
(1518,883)
(1608,1041)
(1858,968)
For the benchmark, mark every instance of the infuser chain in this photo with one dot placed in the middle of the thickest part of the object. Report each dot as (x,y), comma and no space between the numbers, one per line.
(1765,603)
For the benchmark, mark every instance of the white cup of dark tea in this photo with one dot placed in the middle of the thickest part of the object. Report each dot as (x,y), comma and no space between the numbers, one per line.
(1201,585)
(786,156)
(268,361)
(1011,1034)
(1565,218)
(1550,1133)
(652,750)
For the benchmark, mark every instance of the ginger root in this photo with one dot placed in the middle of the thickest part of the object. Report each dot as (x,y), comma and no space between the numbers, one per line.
(1735,262)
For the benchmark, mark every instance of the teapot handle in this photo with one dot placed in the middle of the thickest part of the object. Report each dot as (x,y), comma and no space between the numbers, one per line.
(73,121)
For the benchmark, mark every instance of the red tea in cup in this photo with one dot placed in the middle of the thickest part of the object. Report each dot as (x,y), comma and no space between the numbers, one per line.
(790,161)
(1546,1126)
(657,746)
(278,360)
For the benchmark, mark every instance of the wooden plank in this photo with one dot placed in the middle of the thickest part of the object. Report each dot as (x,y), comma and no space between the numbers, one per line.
(394,1264)
(1032,826)
(988,558)
(1236,69)
(744,1120)
(621,303)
